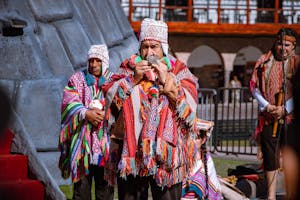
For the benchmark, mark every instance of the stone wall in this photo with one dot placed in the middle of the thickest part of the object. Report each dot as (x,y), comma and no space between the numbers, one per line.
(41,44)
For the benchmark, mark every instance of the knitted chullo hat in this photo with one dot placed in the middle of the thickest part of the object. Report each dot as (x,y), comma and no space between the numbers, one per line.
(101,52)
(155,30)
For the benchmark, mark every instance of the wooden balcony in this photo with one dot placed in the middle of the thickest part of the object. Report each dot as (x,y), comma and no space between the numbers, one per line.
(220,17)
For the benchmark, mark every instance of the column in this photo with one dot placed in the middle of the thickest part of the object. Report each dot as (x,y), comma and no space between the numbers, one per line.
(228,59)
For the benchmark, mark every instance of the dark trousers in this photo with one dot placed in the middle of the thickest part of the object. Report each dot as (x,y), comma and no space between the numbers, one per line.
(271,146)
(136,188)
(82,189)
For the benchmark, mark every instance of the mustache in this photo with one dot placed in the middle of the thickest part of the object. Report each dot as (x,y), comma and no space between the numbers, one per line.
(153,59)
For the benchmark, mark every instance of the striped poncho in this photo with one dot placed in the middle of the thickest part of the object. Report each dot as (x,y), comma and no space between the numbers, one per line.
(158,132)
(80,142)
(266,82)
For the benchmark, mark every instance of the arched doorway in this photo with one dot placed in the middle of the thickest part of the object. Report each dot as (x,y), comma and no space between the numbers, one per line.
(243,66)
(207,64)
(244,62)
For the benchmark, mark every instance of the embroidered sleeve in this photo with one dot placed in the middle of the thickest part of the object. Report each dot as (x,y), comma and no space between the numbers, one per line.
(184,91)
(289,106)
(258,72)
(171,87)
(187,95)
(253,80)
(254,84)
(123,89)
(262,102)
(184,109)
(73,110)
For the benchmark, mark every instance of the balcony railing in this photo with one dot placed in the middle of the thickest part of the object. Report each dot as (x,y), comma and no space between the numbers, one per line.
(231,17)
(215,12)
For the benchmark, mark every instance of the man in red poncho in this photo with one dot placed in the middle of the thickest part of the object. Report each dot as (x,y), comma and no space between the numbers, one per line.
(266,84)
(156,96)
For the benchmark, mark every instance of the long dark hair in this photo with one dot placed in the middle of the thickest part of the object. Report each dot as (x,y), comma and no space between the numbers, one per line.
(204,160)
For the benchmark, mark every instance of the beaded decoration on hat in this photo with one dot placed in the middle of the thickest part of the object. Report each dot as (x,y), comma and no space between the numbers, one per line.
(100,52)
(155,30)
(204,125)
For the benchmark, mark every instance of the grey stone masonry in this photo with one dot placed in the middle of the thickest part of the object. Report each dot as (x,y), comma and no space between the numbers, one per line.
(54,51)
(21,58)
(75,41)
(42,43)
(50,11)
(107,22)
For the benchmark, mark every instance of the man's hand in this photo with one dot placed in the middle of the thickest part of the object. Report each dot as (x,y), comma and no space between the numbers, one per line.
(94,116)
(271,108)
(162,71)
(140,69)
(278,112)
(259,153)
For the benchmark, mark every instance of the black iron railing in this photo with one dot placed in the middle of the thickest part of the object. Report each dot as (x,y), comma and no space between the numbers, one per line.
(234,113)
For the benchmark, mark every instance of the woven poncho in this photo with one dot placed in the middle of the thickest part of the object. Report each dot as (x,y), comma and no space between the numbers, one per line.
(158,134)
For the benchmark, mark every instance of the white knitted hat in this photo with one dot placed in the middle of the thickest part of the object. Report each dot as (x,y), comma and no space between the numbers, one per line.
(101,52)
(155,30)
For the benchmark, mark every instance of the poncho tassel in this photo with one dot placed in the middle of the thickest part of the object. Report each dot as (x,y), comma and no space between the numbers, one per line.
(165,152)
(149,162)
(191,153)
(164,178)
(127,166)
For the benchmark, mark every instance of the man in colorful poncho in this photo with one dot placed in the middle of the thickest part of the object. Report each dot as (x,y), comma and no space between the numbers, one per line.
(265,85)
(83,140)
(156,95)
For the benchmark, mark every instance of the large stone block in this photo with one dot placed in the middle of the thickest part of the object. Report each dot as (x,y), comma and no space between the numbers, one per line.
(131,46)
(121,18)
(38,105)
(114,61)
(75,41)
(106,21)
(54,51)
(21,58)
(83,14)
(50,11)
(121,52)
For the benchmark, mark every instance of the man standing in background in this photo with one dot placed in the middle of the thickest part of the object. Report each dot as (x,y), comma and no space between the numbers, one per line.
(271,91)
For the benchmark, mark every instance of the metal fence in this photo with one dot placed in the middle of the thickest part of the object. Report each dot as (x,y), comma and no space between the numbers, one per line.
(234,113)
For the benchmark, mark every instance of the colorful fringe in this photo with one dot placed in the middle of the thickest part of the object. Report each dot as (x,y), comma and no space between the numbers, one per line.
(75,140)
(127,166)
(165,147)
